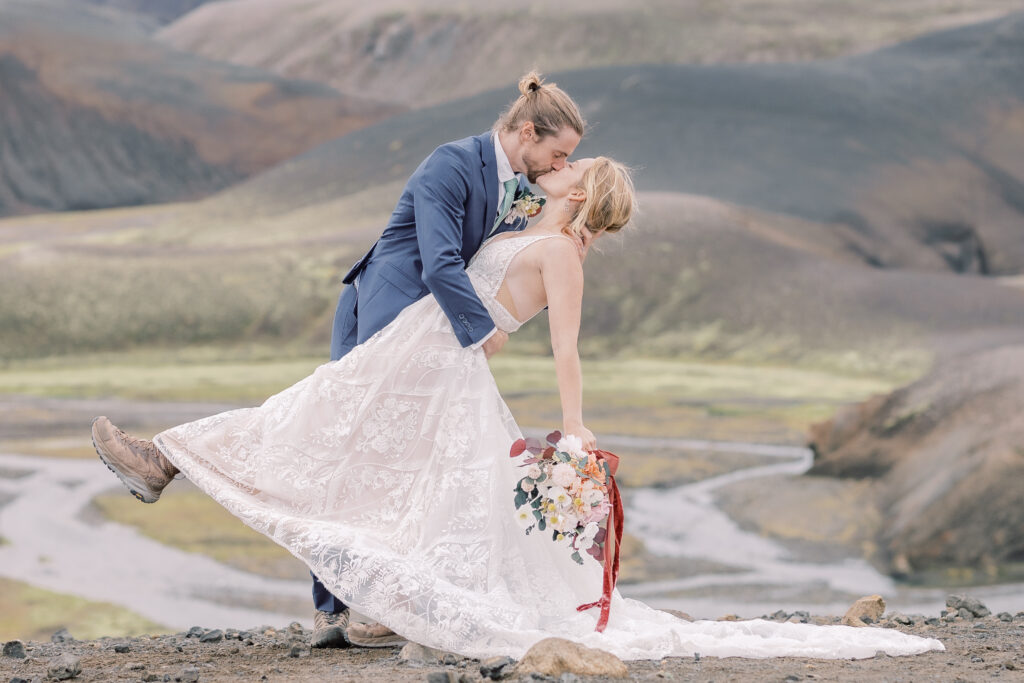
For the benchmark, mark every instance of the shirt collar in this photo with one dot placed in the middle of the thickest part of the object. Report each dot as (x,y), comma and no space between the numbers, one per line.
(505,172)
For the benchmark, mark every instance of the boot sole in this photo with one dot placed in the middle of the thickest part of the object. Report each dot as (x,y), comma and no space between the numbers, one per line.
(390,641)
(146,496)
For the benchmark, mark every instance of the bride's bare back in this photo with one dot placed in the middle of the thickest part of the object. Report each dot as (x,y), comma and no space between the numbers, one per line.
(532,276)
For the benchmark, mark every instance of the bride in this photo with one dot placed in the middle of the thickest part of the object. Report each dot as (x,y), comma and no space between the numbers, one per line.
(388,472)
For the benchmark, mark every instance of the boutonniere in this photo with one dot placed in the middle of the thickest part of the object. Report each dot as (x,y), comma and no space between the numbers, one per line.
(526,205)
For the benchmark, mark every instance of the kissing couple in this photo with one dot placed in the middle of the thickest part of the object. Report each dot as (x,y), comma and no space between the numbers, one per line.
(387,470)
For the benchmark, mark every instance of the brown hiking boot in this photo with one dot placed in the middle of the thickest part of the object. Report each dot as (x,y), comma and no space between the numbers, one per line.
(138,463)
(330,629)
(373,635)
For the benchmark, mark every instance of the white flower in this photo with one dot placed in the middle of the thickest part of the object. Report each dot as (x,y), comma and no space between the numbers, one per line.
(593,496)
(591,530)
(526,485)
(584,542)
(573,445)
(533,471)
(567,523)
(524,517)
(563,474)
(559,496)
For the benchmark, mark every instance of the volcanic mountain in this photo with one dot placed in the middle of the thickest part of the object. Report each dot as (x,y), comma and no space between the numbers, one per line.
(94,113)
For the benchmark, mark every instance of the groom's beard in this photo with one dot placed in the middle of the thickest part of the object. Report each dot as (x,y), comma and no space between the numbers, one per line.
(534,170)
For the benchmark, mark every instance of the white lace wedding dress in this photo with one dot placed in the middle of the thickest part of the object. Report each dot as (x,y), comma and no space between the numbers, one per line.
(388,473)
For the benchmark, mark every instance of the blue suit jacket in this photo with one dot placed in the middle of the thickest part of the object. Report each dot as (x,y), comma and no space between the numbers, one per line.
(445,213)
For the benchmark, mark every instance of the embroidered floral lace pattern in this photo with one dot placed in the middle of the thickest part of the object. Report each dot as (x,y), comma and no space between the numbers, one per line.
(387,472)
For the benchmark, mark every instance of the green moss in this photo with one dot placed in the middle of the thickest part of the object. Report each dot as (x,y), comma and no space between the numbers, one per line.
(192,521)
(30,613)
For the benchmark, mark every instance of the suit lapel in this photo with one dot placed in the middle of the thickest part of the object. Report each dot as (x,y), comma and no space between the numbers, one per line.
(489,170)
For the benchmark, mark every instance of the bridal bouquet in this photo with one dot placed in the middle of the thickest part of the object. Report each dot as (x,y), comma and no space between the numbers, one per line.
(565,490)
(571,491)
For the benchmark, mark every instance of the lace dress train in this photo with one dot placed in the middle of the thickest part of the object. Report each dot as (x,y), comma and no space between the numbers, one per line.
(387,472)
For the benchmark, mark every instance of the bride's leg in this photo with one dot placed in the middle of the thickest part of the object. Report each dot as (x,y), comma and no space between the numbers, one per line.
(138,463)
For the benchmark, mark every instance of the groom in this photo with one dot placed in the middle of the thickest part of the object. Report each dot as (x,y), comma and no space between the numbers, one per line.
(459,196)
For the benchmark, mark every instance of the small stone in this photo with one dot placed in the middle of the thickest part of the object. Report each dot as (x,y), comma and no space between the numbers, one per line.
(189,674)
(122,647)
(15,649)
(417,655)
(442,677)
(212,636)
(901,618)
(1009,665)
(61,636)
(497,668)
(195,632)
(1004,616)
(976,659)
(866,610)
(135,666)
(149,678)
(64,667)
(295,627)
(932,621)
(569,678)
(965,613)
(299,650)
(556,656)
(729,617)
(959,603)
(19,679)
(779,615)
(449,659)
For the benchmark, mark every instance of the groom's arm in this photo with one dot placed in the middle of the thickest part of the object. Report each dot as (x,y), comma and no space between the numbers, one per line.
(440,188)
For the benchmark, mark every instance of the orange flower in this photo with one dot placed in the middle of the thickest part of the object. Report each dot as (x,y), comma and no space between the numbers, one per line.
(593,469)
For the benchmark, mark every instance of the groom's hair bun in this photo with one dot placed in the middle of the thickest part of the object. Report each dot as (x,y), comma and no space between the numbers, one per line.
(531,82)
(546,105)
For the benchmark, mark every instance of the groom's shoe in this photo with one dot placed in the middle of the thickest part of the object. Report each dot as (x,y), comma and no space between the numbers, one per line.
(138,463)
(330,629)
(373,635)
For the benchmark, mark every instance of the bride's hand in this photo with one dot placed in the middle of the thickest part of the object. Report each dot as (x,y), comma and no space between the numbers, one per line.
(586,436)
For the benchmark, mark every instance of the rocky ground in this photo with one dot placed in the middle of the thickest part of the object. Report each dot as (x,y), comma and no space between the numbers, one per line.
(977,648)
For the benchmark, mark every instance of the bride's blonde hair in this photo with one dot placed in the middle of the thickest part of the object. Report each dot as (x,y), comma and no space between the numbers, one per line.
(610,202)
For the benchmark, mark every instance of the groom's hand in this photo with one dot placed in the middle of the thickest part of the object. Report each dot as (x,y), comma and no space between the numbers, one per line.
(495,343)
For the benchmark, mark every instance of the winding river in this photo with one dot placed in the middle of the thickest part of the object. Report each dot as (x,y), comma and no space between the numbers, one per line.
(52,542)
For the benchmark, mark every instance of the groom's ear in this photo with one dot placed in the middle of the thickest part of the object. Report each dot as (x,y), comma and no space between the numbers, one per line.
(527,132)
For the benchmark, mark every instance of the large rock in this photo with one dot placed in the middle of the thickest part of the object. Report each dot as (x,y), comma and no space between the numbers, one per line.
(964,602)
(557,656)
(15,649)
(867,610)
(64,667)
(947,454)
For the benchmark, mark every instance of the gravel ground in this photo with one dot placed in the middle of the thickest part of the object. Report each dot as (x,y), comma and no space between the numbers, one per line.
(988,648)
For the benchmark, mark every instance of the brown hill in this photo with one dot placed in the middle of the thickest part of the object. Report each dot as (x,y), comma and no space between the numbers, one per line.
(912,155)
(425,53)
(94,113)
(696,277)
(948,454)
(158,11)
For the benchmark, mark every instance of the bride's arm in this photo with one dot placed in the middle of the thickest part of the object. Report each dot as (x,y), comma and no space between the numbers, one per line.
(562,276)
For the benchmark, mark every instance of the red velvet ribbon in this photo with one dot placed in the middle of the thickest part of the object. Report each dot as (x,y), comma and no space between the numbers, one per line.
(611,551)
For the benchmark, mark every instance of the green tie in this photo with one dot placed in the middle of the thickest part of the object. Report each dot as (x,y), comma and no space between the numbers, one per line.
(506,203)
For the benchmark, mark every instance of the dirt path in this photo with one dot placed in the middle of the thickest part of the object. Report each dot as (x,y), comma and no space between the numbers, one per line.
(976,650)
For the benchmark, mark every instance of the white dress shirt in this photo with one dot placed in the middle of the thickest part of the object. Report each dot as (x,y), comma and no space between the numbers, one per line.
(505,173)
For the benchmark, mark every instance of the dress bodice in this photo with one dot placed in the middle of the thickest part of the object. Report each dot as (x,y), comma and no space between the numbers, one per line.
(487,271)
